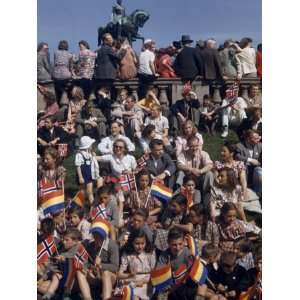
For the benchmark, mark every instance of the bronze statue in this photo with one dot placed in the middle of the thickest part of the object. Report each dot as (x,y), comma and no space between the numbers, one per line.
(124,26)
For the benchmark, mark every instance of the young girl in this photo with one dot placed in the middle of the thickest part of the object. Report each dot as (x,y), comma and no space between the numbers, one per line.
(142,197)
(225,189)
(231,229)
(50,168)
(189,187)
(87,168)
(136,264)
(77,220)
(203,230)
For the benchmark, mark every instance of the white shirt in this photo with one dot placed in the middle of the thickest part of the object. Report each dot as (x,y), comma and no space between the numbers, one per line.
(106,144)
(79,160)
(248,60)
(160,124)
(127,163)
(146,57)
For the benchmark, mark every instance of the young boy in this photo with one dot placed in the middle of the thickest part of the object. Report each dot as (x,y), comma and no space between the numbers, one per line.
(137,221)
(71,240)
(104,253)
(230,279)
(77,219)
(160,122)
(180,259)
(208,115)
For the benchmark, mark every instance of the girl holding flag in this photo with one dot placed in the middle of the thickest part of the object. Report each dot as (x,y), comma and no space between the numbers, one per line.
(137,262)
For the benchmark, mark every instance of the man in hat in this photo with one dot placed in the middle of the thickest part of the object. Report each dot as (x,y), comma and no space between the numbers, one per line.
(182,110)
(147,71)
(188,63)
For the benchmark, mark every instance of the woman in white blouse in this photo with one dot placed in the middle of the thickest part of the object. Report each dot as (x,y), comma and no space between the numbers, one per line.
(246,55)
(120,161)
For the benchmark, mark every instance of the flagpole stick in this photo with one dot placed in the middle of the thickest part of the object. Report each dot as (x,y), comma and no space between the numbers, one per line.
(135,186)
(148,197)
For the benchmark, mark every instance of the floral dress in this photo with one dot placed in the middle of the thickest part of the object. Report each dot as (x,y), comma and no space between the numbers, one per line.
(233,233)
(139,199)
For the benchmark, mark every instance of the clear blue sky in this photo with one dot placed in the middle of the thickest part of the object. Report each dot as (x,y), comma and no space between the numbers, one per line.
(74,20)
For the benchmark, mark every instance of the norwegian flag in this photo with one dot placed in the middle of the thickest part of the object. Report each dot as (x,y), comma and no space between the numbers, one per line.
(48,186)
(80,258)
(127,182)
(180,275)
(46,249)
(98,211)
(141,162)
(233,91)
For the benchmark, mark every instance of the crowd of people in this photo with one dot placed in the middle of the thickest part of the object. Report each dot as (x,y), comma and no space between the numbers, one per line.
(153,216)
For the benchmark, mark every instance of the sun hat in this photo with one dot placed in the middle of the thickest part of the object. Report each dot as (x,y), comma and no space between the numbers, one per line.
(86,142)
(148,41)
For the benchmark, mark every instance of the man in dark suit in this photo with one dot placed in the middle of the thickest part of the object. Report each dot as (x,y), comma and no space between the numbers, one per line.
(250,152)
(160,164)
(188,63)
(212,69)
(107,62)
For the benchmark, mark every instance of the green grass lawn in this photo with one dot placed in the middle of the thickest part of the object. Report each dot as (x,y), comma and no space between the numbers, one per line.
(212,145)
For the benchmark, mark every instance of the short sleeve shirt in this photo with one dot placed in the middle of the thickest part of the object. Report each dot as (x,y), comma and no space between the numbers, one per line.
(145,58)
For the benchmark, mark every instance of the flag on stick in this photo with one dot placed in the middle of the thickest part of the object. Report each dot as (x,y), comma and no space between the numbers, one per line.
(46,249)
(160,191)
(51,196)
(161,277)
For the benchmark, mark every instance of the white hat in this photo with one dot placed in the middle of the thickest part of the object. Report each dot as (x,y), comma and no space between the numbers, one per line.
(86,142)
(148,41)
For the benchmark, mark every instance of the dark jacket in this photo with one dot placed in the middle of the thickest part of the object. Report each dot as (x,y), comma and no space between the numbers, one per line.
(164,163)
(185,107)
(107,62)
(238,280)
(212,69)
(242,152)
(188,63)
(246,124)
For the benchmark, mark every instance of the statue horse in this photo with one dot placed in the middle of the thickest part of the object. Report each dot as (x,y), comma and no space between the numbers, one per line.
(129,28)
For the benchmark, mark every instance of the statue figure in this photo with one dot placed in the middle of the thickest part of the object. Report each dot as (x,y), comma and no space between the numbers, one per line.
(118,13)
(124,26)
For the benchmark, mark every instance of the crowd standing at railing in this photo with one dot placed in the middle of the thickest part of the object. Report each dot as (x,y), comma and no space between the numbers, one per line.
(154,216)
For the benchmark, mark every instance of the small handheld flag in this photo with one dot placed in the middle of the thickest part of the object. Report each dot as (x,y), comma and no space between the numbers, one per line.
(127,182)
(98,212)
(80,258)
(142,162)
(198,272)
(180,275)
(233,91)
(46,249)
(79,199)
(162,277)
(191,243)
(127,293)
(51,196)
(101,227)
(160,191)
(189,197)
